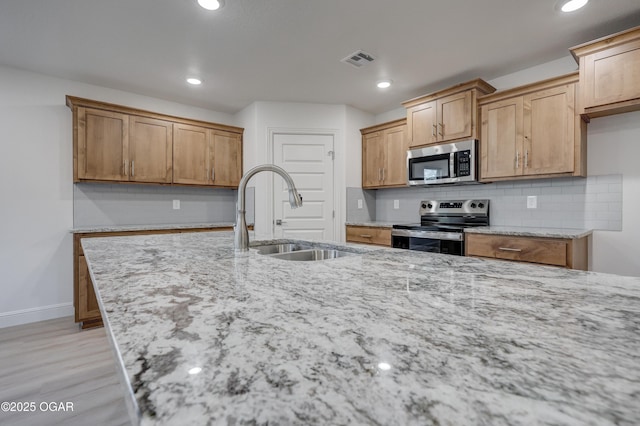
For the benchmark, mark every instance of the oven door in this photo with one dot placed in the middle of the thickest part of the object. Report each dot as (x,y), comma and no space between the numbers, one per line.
(429,241)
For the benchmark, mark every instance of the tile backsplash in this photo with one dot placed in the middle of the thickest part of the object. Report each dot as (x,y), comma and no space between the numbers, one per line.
(98,204)
(594,202)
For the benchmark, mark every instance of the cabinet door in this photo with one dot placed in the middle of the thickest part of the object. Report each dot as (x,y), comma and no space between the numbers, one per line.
(549,129)
(226,158)
(191,154)
(150,150)
(611,75)
(422,124)
(501,139)
(373,160)
(87,302)
(103,144)
(396,145)
(454,116)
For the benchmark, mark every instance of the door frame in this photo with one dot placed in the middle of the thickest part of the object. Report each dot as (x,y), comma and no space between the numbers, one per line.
(337,206)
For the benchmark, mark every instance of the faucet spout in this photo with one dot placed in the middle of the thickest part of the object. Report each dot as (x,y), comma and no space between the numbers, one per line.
(241,233)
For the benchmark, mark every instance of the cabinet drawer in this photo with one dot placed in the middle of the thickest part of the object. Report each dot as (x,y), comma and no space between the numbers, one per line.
(524,249)
(369,235)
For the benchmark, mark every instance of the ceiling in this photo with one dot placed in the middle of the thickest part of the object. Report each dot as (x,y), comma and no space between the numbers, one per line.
(290,50)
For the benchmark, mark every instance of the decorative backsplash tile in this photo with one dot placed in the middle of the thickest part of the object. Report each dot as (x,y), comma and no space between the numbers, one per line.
(594,202)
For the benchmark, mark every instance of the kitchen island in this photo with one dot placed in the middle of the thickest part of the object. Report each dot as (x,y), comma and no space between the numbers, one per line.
(205,335)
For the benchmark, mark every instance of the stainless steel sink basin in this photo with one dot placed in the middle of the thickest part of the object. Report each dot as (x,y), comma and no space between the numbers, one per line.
(311,255)
(280,248)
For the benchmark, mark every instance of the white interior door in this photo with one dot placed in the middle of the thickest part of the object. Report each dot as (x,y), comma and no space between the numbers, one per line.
(308,158)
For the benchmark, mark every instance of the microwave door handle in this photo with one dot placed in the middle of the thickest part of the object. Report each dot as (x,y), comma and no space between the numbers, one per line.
(453,166)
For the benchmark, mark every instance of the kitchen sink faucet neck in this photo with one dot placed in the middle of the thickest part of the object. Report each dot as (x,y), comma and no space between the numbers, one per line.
(241,237)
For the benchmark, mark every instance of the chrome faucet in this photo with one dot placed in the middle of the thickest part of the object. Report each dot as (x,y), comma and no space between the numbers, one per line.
(241,237)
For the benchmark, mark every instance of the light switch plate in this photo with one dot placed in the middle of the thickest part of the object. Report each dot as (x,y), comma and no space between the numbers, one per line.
(396,204)
(359,204)
(532,202)
(176,204)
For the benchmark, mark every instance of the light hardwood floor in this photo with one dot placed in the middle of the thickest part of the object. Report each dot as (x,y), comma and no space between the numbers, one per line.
(55,361)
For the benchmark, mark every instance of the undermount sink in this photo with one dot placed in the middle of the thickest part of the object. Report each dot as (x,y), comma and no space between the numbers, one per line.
(281,248)
(311,255)
(300,252)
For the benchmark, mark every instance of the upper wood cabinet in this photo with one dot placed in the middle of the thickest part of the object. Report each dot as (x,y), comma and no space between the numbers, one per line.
(191,155)
(532,131)
(204,156)
(150,150)
(102,145)
(384,155)
(447,115)
(609,74)
(116,143)
(226,158)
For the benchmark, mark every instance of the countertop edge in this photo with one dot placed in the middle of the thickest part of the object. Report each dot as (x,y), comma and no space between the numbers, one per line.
(151,227)
(566,233)
(385,225)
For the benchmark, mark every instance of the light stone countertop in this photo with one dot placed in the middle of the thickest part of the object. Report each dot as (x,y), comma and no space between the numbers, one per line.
(151,227)
(373,224)
(521,231)
(385,337)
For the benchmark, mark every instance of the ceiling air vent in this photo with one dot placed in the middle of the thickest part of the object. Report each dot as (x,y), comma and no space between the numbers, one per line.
(358,59)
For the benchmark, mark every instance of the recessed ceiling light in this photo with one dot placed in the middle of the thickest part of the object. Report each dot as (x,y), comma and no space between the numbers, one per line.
(384,84)
(194,81)
(572,5)
(211,4)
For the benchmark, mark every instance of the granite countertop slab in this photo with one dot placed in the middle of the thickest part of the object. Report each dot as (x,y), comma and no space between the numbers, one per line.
(151,227)
(372,224)
(522,231)
(385,336)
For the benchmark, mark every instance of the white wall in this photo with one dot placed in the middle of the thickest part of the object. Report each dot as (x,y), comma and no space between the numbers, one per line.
(36,172)
(614,147)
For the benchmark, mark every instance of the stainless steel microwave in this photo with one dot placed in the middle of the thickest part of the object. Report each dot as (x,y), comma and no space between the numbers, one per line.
(453,162)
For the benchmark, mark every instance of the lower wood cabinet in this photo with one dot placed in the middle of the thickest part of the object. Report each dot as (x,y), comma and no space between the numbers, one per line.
(369,235)
(567,253)
(87,311)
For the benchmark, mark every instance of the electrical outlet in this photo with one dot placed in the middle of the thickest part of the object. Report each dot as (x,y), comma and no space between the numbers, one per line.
(176,204)
(532,202)
(396,204)
(359,204)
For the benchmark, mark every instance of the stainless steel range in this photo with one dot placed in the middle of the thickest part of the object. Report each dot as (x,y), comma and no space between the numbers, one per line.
(441,227)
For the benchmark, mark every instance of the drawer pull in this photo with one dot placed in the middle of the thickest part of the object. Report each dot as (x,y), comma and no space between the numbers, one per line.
(509,249)
(366,236)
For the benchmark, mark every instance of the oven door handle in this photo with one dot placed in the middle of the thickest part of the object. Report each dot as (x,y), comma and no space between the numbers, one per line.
(433,235)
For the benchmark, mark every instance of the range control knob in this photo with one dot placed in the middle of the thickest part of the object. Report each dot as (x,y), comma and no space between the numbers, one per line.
(481,205)
(473,205)
(429,205)
(424,206)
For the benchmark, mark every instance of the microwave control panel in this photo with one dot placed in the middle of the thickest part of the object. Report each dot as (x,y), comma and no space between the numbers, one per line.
(463,163)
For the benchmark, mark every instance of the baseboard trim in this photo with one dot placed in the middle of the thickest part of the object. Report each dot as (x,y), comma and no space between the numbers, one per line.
(41,313)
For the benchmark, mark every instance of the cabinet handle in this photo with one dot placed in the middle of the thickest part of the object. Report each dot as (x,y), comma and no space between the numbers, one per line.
(124,168)
(441,129)
(509,249)
(365,236)
(526,158)
(383,175)
(379,175)
(434,130)
(133,168)
(517,159)
(213,173)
